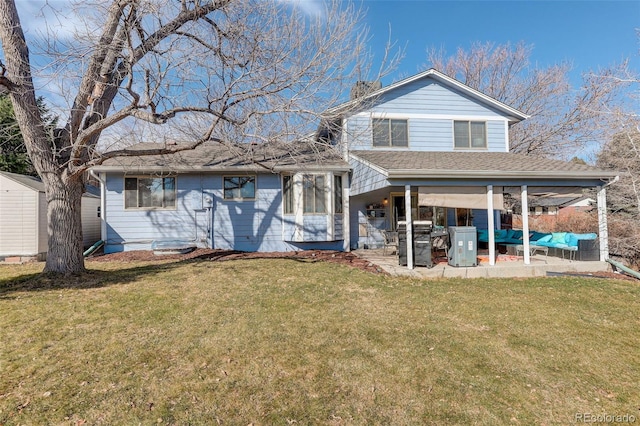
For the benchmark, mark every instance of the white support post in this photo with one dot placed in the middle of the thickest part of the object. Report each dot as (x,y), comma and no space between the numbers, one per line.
(298,207)
(346,224)
(491,225)
(603,230)
(409,219)
(525,225)
(331,220)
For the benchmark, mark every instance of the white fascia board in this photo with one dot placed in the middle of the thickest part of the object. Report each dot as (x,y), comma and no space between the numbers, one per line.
(514,114)
(466,174)
(199,169)
(401,116)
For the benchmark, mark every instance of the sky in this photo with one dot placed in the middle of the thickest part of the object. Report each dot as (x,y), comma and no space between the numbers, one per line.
(589,34)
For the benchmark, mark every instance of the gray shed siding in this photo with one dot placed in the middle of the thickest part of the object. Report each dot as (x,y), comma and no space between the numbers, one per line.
(19,222)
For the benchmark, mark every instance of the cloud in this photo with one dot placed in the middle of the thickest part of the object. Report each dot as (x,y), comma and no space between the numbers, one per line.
(57,18)
(314,8)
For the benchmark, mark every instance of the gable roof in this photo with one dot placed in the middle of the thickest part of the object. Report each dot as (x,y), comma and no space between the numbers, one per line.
(35,183)
(217,157)
(28,181)
(513,114)
(470,165)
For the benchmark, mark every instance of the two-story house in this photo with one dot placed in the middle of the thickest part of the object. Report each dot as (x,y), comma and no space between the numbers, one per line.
(425,148)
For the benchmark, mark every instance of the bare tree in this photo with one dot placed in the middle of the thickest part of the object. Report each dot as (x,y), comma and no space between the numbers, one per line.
(622,153)
(564,119)
(162,70)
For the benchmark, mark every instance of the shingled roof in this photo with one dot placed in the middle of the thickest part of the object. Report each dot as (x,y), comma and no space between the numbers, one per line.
(217,157)
(406,164)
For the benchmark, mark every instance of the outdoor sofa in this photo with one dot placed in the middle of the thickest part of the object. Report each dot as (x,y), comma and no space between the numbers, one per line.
(576,246)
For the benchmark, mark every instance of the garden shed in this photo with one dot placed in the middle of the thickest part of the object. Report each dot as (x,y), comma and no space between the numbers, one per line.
(23,217)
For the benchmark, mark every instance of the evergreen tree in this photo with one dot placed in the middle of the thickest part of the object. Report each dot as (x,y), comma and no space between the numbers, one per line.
(13,152)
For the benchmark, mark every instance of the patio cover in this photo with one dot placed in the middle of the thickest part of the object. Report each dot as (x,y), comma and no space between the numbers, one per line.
(470,197)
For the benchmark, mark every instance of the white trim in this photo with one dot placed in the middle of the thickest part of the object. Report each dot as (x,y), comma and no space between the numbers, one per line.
(408,116)
(298,208)
(506,136)
(470,148)
(240,199)
(438,76)
(491,226)
(603,231)
(346,220)
(331,227)
(151,208)
(525,224)
(409,220)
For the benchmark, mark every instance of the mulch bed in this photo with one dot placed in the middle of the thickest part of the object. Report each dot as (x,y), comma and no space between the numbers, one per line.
(342,258)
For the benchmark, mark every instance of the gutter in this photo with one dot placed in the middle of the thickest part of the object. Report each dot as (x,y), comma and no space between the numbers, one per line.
(465,174)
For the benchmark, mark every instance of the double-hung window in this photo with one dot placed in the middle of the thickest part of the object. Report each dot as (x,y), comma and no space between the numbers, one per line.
(470,134)
(149,192)
(287,194)
(390,132)
(239,187)
(314,194)
(337,194)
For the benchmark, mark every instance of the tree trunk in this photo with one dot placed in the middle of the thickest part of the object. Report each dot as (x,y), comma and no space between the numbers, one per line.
(64,218)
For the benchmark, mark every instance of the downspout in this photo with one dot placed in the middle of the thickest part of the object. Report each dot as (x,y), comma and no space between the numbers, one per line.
(103,203)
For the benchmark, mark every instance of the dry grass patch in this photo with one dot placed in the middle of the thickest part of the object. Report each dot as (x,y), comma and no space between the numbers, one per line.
(273,341)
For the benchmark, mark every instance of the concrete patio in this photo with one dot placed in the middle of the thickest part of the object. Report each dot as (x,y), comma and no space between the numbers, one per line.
(506,266)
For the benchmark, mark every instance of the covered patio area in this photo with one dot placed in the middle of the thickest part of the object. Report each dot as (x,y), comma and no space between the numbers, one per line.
(504,266)
(467,189)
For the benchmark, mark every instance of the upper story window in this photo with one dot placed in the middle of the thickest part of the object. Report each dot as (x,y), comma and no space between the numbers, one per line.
(390,132)
(470,134)
(149,192)
(239,187)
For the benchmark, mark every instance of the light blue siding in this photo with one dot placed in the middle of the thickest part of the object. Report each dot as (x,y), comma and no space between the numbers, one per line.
(365,178)
(427,96)
(251,225)
(430,109)
(135,229)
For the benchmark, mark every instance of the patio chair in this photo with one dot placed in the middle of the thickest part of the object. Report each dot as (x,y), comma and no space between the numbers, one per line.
(390,241)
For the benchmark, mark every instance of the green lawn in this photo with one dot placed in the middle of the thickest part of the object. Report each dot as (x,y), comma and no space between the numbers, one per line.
(275,341)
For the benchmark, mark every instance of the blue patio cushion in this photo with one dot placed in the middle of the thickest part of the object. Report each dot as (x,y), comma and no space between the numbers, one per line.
(559,237)
(589,236)
(535,236)
(514,234)
(501,234)
(572,239)
(483,234)
(544,239)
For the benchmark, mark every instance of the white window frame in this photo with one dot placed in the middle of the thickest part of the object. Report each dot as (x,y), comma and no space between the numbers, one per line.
(164,193)
(469,141)
(288,192)
(324,190)
(390,132)
(240,198)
